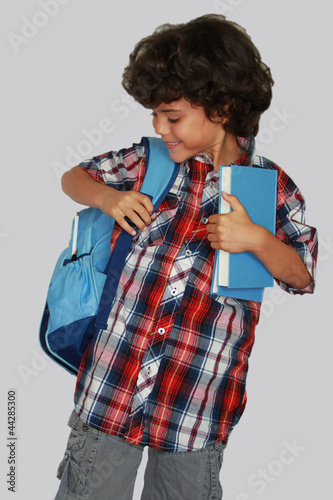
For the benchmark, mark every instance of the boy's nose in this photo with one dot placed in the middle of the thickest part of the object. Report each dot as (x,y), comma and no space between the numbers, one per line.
(161,128)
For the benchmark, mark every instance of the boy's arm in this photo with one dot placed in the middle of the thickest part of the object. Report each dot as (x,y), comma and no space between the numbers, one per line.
(81,187)
(235,232)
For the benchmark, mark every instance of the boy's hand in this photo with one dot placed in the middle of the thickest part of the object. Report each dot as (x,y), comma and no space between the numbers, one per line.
(233,232)
(134,205)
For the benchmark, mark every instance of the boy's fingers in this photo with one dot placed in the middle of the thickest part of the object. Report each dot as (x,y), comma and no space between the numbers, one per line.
(133,208)
(144,200)
(148,204)
(215,222)
(138,216)
(137,220)
(143,214)
(134,219)
(213,219)
(124,225)
(139,209)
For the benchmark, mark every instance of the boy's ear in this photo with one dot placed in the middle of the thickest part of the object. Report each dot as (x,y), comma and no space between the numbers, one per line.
(221,118)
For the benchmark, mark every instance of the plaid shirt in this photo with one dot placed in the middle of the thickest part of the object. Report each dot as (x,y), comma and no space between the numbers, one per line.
(170,370)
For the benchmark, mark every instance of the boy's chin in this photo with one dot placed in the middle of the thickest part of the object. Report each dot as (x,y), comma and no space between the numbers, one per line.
(179,156)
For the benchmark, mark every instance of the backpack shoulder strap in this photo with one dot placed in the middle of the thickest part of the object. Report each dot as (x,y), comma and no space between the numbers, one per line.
(160,175)
(161,171)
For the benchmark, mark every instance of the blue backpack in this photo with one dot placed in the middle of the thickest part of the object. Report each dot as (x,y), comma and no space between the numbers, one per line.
(82,288)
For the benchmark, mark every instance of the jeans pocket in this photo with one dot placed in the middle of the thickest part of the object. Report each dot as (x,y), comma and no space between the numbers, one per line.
(220,446)
(212,488)
(79,456)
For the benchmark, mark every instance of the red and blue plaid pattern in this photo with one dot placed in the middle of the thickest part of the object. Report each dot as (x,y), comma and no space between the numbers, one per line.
(170,370)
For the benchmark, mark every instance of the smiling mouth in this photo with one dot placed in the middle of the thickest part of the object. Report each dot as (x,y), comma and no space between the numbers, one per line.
(172,145)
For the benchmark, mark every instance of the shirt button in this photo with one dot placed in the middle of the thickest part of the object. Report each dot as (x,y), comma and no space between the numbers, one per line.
(148,370)
(161,331)
(174,292)
(188,253)
(205,220)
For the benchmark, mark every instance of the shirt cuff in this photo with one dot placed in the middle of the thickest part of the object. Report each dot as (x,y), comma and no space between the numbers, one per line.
(296,291)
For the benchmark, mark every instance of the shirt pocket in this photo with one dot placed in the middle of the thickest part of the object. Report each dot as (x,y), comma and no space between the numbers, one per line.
(157,230)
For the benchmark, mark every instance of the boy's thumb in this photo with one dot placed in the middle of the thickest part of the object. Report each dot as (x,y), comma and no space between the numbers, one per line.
(232,200)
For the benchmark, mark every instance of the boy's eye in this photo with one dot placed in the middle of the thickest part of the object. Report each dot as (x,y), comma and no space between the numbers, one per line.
(175,120)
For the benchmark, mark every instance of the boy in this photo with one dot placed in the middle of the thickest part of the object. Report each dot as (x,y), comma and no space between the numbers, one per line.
(169,372)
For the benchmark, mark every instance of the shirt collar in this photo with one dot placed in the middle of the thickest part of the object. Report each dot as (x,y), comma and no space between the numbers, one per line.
(246,143)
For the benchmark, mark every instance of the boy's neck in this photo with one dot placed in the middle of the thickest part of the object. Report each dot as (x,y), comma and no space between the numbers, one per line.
(227,151)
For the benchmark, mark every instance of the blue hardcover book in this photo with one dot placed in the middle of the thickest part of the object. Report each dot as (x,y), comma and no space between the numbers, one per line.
(243,275)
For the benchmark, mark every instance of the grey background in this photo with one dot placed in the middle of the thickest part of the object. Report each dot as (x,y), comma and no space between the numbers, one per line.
(59,84)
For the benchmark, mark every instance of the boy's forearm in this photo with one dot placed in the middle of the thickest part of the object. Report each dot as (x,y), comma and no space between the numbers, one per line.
(281,260)
(82,188)
(124,206)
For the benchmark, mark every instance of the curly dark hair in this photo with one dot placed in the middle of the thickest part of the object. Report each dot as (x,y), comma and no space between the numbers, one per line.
(210,62)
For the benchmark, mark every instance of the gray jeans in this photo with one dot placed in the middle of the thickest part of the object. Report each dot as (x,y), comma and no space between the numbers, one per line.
(100,466)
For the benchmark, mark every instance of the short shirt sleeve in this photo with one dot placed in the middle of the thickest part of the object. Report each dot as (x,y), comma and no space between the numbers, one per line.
(292,229)
(118,169)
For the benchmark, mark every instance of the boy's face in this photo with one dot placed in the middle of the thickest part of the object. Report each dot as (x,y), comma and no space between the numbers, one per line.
(186,130)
